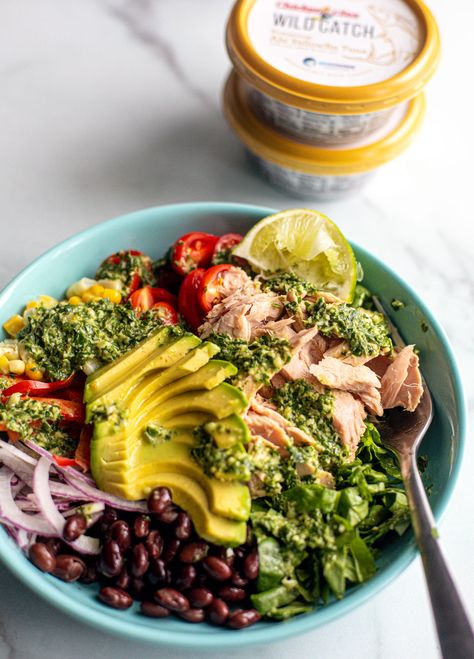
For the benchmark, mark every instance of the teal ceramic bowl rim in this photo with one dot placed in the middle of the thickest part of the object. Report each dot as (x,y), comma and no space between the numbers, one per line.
(270,632)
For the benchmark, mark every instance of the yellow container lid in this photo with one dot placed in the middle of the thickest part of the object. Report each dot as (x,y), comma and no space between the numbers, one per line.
(347,57)
(266,143)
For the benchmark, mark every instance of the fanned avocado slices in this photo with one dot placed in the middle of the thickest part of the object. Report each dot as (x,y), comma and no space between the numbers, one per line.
(144,408)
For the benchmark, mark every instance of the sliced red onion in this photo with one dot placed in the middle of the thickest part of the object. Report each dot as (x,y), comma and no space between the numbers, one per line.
(23,470)
(80,476)
(44,453)
(84,544)
(95,494)
(14,451)
(12,515)
(87,509)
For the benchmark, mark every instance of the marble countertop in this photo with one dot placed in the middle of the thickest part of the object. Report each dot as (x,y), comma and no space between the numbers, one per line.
(113,105)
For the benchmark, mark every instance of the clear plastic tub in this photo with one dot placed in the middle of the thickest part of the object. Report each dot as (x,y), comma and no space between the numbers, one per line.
(304,170)
(331,74)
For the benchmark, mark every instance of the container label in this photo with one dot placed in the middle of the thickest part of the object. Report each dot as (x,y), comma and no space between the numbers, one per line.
(346,43)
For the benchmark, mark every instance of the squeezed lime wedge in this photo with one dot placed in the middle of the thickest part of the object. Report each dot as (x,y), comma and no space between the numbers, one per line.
(306,243)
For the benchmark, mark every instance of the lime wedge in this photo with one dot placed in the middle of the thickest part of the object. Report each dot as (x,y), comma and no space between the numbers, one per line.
(306,243)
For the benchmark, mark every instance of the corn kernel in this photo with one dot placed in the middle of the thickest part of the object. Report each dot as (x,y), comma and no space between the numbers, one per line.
(75,300)
(4,365)
(33,371)
(47,301)
(112,295)
(88,297)
(32,304)
(96,290)
(13,325)
(17,366)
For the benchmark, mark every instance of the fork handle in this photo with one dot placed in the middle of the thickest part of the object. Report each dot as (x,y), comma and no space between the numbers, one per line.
(455,633)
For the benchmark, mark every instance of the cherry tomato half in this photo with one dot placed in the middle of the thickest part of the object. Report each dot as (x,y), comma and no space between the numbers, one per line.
(145,298)
(211,288)
(193,250)
(188,304)
(224,246)
(166,313)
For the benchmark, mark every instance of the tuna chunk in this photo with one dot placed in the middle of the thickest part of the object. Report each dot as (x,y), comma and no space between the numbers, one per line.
(340,350)
(263,419)
(241,315)
(358,380)
(348,420)
(401,383)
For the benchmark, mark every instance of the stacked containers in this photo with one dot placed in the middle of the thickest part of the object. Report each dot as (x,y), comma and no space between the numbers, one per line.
(323,95)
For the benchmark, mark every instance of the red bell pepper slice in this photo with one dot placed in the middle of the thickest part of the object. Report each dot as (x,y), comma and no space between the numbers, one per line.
(35,388)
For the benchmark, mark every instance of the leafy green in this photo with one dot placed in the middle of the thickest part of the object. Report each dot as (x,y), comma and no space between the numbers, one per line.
(313,540)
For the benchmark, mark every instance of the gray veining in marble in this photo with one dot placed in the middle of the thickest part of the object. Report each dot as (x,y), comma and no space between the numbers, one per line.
(112,105)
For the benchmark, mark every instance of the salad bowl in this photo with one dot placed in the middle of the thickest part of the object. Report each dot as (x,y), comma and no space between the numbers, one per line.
(153,230)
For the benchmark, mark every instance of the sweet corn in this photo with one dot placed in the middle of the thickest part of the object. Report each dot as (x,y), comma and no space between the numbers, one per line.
(88,297)
(13,325)
(112,295)
(33,372)
(47,301)
(32,304)
(96,289)
(75,300)
(17,366)
(4,365)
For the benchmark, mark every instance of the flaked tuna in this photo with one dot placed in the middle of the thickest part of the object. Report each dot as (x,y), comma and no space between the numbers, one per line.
(348,420)
(263,419)
(401,382)
(358,380)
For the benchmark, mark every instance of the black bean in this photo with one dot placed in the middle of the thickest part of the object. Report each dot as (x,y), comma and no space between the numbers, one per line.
(184,527)
(154,610)
(111,560)
(159,499)
(241,619)
(238,580)
(169,515)
(120,532)
(200,597)
(192,615)
(154,544)
(55,545)
(108,517)
(75,526)
(90,575)
(139,560)
(115,597)
(226,554)
(137,587)
(159,574)
(232,594)
(193,552)
(171,549)
(186,577)
(216,568)
(141,526)
(42,556)
(123,580)
(172,599)
(69,568)
(251,565)
(217,612)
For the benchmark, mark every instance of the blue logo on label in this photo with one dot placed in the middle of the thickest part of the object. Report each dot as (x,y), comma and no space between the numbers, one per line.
(309,61)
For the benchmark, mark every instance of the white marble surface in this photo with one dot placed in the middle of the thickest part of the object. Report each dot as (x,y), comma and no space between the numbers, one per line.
(113,105)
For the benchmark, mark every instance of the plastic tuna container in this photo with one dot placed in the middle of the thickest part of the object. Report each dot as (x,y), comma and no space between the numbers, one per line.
(331,74)
(324,173)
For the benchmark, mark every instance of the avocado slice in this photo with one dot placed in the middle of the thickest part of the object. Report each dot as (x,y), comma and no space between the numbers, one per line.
(190,496)
(174,383)
(228,432)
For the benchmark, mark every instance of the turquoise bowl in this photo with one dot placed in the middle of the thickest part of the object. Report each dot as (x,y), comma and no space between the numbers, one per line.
(153,230)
